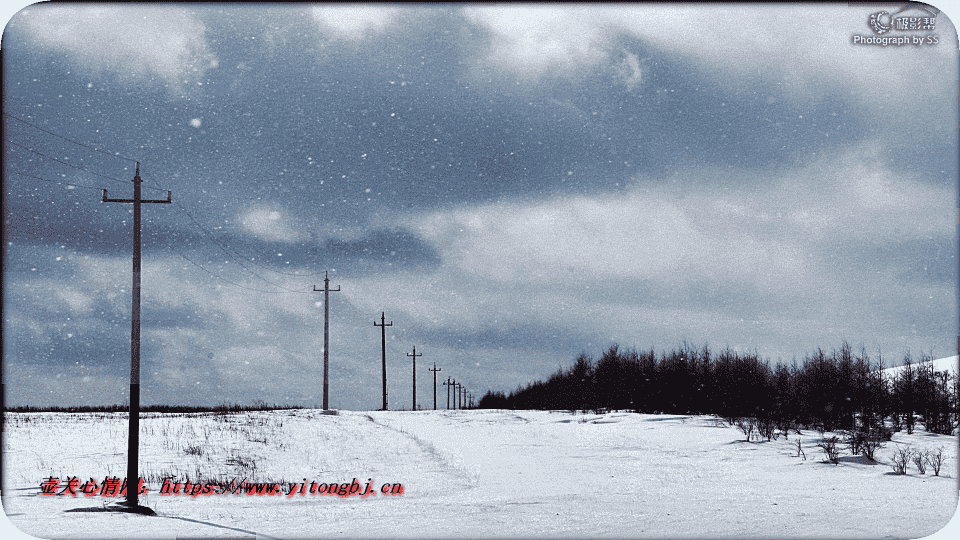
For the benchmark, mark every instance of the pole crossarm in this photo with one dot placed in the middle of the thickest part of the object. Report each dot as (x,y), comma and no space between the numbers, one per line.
(326,336)
(133,439)
(168,200)
(383,347)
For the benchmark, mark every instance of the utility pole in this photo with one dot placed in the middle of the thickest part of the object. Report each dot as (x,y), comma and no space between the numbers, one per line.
(456,396)
(383,348)
(435,370)
(414,355)
(133,438)
(448,384)
(326,337)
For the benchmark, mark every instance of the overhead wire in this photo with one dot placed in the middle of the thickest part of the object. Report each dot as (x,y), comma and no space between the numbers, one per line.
(55,182)
(63,162)
(118,156)
(241,256)
(236,256)
(221,278)
(231,253)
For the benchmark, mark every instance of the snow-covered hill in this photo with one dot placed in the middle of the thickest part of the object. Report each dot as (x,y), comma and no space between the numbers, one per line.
(941,364)
(470,474)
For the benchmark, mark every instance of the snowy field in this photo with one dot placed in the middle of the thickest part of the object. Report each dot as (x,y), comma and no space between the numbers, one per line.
(469,474)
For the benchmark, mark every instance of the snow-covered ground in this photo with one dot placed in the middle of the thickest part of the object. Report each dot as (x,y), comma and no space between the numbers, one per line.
(941,364)
(471,474)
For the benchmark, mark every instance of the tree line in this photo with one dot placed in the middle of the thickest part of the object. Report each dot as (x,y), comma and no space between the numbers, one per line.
(842,390)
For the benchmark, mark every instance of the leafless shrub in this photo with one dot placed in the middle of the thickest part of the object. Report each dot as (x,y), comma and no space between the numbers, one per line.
(766,427)
(920,459)
(746,425)
(901,457)
(800,451)
(830,448)
(193,451)
(854,440)
(870,446)
(785,425)
(864,443)
(936,460)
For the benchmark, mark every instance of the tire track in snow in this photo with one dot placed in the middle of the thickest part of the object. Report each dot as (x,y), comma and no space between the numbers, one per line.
(431,450)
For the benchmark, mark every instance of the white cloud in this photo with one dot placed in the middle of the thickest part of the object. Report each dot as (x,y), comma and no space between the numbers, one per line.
(805,49)
(129,40)
(755,230)
(532,38)
(271,225)
(79,302)
(353,21)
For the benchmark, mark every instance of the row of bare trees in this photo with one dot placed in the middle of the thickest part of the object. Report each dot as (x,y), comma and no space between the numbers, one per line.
(841,390)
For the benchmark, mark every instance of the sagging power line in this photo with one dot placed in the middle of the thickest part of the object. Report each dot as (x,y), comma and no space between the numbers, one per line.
(55,182)
(118,156)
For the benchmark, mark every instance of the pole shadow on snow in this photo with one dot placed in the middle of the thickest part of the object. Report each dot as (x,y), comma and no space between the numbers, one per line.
(148,512)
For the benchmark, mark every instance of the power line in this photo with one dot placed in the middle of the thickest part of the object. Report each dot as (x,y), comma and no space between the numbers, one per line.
(118,156)
(55,182)
(64,162)
(235,254)
(200,266)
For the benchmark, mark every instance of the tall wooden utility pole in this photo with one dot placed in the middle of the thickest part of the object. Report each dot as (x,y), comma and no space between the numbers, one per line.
(448,384)
(383,348)
(435,370)
(414,355)
(326,337)
(133,438)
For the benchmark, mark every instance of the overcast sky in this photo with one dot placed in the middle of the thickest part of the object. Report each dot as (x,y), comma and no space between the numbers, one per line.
(511,186)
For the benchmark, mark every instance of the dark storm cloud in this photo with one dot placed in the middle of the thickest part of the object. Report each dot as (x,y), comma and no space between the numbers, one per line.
(919,261)
(57,342)
(513,185)
(185,317)
(523,335)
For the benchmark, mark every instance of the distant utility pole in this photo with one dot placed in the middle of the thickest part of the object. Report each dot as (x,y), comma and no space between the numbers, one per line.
(383,348)
(456,396)
(133,439)
(435,370)
(414,355)
(448,384)
(326,337)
